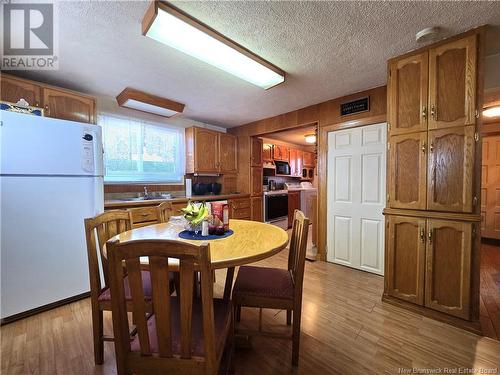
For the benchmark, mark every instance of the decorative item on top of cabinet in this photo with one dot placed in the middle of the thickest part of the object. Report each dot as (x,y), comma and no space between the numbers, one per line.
(13,89)
(67,106)
(257,204)
(451,169)
(208,151)
(405,263)
(448,264)
(281,152)
(407,92)
(308,159)
(256,154)
(452,83)
(293,204)
(408,163)
(256,181)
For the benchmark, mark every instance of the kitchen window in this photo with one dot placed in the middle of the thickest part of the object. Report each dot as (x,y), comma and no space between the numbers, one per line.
(139,151)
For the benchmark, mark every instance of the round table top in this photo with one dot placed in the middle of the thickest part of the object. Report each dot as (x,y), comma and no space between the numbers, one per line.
(251,241)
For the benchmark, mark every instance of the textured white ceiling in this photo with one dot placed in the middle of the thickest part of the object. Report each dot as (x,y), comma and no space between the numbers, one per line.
(328,49)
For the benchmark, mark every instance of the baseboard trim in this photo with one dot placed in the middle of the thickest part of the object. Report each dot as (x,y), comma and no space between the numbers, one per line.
(43,308)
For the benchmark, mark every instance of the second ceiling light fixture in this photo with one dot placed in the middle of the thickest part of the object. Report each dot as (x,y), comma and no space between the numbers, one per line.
(171,26)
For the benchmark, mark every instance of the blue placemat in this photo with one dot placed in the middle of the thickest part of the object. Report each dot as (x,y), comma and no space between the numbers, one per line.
(187,235)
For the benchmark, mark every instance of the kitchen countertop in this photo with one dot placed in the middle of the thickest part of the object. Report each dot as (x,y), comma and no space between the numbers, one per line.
(151,202)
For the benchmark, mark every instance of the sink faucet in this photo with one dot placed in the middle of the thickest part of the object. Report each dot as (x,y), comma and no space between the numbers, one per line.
(146,194)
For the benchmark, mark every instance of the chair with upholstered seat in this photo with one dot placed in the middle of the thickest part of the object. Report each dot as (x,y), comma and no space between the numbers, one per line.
(275,288)
(98,230)
(184,334)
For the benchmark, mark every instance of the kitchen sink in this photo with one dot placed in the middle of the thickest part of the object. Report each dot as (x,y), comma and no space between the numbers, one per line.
(148,198)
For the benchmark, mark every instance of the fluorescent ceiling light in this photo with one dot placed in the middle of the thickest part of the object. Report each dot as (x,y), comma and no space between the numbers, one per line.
(310,138)
(492,111)
(172,27)
(144,102)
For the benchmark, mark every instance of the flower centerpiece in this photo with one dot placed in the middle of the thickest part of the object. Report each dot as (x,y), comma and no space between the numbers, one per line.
(195,213)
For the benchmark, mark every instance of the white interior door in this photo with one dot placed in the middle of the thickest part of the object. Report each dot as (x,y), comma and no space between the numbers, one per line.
(356,197)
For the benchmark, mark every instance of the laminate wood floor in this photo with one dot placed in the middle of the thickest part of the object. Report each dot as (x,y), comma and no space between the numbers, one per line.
(490,290)
(346,329)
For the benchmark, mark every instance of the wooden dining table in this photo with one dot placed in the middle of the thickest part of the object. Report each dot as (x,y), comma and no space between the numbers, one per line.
(250,242)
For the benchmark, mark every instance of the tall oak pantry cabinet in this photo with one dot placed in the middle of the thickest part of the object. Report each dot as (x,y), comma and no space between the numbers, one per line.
(433,208)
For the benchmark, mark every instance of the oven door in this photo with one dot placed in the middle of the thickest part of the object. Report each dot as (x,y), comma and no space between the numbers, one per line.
(276,207)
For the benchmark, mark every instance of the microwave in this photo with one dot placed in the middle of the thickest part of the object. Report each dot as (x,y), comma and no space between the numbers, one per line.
(282,168)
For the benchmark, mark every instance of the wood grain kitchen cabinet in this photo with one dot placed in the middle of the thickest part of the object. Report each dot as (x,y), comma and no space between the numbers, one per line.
(293,204)
(296,162)
(448,264)
(201,151)
(452,83)
(405,270)
(433,175)
(257,204)
(68,106)
(308,159)
(256,181)
(450,169)
(281,152)
(267,152)
(240,208)
(229,183)
(408,166)
(256,152)
(208,151)
(407,94)
(13,89)
(228,150)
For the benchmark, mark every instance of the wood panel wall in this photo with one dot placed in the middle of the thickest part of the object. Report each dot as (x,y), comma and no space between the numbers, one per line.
(327,116)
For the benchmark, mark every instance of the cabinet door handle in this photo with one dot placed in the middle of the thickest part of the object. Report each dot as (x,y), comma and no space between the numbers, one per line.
(424,112)
(424,147)
(430,236)
(433,112)
(422,235)
(431,147)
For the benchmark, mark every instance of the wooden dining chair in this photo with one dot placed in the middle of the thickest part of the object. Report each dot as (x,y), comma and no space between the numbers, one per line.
(98,230)
(164,211)
(275,288)
(184,334)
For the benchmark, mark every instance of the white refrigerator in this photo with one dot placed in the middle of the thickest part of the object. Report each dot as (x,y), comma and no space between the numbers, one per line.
(51,178)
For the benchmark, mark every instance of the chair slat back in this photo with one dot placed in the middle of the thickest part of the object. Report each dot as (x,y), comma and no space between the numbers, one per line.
(158,252)
(164,212)
(98,230)
(298,247)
